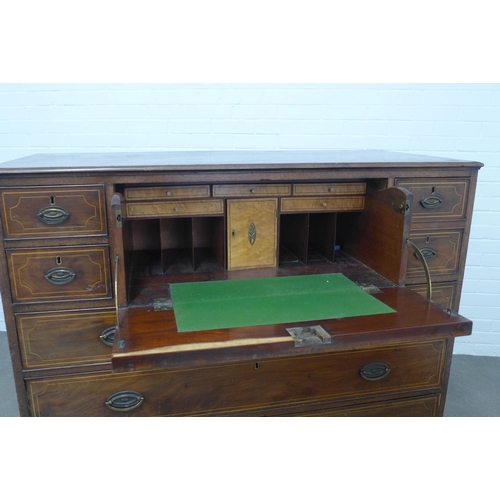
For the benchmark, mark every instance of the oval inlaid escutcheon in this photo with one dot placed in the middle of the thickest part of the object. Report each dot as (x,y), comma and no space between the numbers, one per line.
(431,201)
(252,233)
(374,371)
(52,215)
(125,401)
(60,275)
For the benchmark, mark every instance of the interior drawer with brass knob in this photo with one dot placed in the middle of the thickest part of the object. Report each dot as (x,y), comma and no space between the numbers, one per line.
(166,192)
(242,190)
(186,208)
(236,388)
(53,212)
(437,199)
(66,338)
(57,274)
(319,204)
(329,188)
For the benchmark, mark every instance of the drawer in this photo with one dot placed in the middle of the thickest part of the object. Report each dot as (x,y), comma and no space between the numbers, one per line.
(166,192)
(59,274)
(320,204)
(341,188)
(443,294)
(418,407)
(175,208)
(241,190)
(245,386)
(437,199)
(54,212)
(65,338)
(441,250)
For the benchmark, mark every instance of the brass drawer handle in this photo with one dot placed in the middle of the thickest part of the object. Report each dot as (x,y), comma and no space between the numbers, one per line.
(374,371)
(428,253)
(124,401)
(431,201)
(108,336)
(52,215)
(60,275)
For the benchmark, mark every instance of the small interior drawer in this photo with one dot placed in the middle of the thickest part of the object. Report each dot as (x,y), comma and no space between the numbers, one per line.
(54,212)
(247,386)
(59,274)
(437,199)
(338,188)
(65,338)
(441,251)
(166,192)
(242,190)
(322,204)
(174,208)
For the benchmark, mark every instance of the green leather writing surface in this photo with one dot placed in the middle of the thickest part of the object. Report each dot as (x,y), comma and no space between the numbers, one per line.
(264,301)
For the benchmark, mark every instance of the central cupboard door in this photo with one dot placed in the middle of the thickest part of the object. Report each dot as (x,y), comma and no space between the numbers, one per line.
(252,229)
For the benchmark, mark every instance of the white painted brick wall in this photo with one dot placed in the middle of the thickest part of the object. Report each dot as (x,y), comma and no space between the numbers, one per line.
(453,120)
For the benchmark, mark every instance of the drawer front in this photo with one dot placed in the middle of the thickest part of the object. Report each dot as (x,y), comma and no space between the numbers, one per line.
(418,407)
(174,208)
(441,250)
(54,212)
(329,189)
(321,204)
(246,386)
(65,338)
(242,190)
(59,274)
(437,199)
(166,192)
(443,294)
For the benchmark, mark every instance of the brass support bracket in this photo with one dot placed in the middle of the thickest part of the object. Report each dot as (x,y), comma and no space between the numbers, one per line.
(422,259)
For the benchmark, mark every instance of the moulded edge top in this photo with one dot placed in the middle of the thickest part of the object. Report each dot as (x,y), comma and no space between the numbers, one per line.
(223,160)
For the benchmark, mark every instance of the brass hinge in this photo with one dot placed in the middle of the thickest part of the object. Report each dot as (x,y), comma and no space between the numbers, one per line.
(118,218)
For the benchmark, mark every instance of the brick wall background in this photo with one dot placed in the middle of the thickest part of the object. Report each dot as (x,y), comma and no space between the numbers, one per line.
(453,120)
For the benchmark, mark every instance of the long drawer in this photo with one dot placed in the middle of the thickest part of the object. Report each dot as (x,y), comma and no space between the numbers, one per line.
(229,389)
(65,338)
(64,273)
(53,212)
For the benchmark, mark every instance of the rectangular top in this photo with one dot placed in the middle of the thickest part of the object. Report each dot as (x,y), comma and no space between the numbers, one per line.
(222,160)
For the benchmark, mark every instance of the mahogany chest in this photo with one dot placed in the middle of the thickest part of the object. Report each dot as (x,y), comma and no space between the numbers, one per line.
(93,246)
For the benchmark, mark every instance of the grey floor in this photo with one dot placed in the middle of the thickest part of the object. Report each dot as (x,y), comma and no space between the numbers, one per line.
(474,389)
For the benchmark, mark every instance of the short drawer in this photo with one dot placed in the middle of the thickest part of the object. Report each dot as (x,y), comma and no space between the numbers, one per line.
(166,192)
(65,338)
(443,294)
(54,212)
(437,199)
(323,204)
(59,274)
(175,208)
(235,388)
(339,188)
(441,250)
(242,190)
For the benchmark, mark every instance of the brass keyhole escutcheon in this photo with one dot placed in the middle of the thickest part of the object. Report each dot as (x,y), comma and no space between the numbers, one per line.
(58,260)
(252,233)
